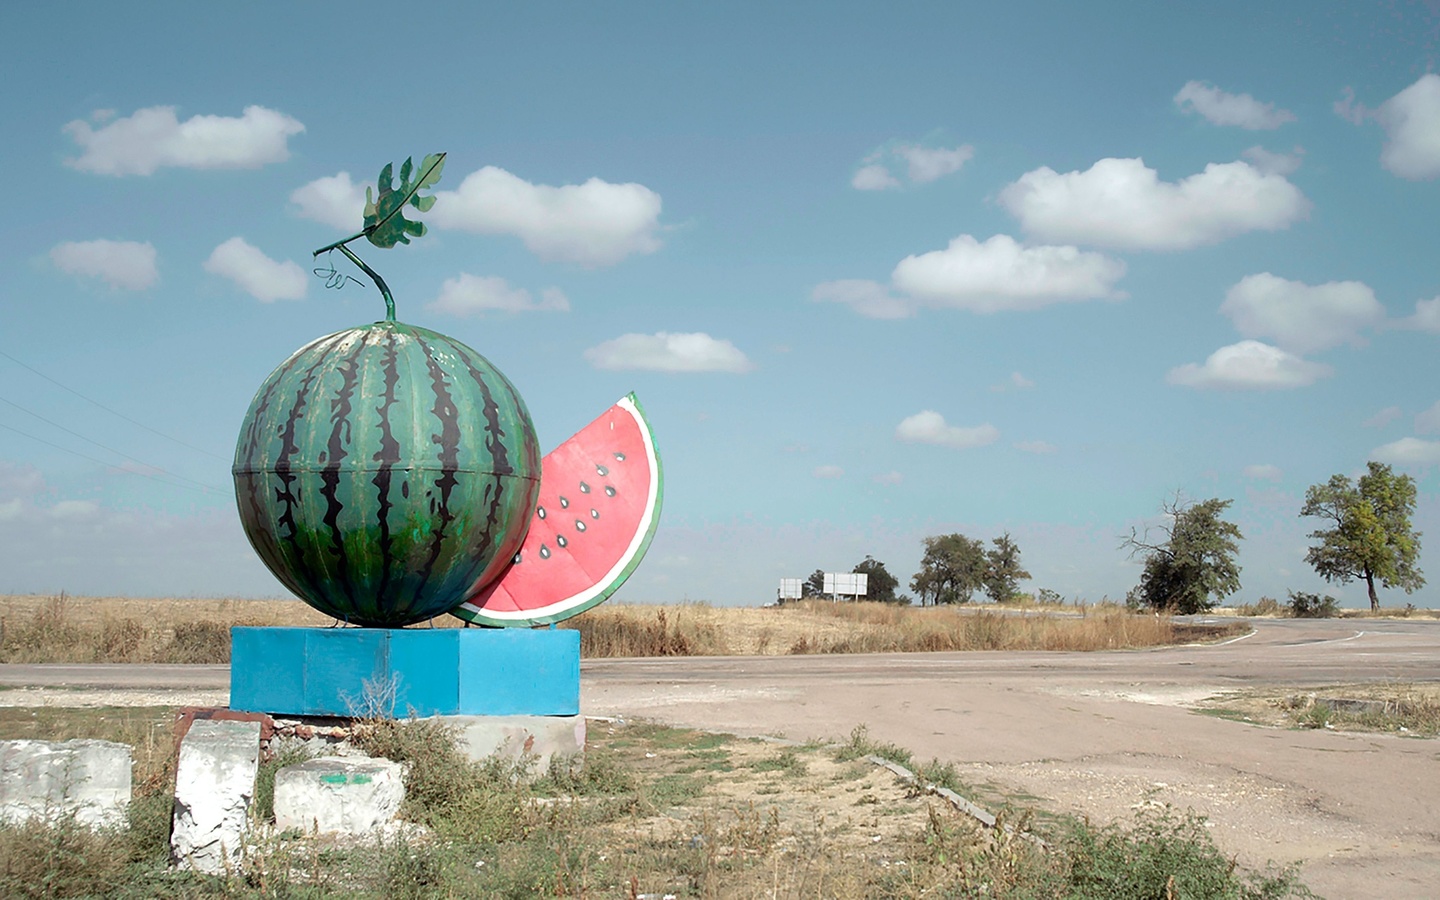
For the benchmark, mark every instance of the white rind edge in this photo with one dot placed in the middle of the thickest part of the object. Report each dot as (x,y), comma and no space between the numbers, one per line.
(636,540)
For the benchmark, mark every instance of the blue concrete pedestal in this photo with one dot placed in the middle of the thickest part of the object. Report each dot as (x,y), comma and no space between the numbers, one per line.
(434,671)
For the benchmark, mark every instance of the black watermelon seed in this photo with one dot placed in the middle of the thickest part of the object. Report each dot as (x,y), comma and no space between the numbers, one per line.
(579,525)
(594,513)
(544,552)
(560,539)
(620,456)
(584,488)
(564,504)
(540,512)
(601,471)
(609,491)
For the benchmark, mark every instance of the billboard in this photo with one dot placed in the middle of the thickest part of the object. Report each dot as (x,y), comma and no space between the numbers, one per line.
(846,584)
(791,588)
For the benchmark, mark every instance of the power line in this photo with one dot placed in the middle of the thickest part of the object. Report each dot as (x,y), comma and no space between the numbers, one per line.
(31,412)
(191,485)
(108,409)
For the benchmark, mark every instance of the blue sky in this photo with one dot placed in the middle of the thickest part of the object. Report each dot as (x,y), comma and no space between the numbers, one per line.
(876,271)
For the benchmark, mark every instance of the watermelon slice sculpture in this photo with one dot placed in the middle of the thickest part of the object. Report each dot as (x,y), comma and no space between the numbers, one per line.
(600,495)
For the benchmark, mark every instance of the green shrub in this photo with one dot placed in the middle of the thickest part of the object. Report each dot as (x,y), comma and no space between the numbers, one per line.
(1164,854)
(1312,606)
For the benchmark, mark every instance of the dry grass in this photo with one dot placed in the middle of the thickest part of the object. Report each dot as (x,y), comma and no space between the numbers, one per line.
(116,629)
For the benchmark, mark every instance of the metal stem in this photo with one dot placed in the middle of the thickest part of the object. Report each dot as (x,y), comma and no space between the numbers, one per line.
(374,276)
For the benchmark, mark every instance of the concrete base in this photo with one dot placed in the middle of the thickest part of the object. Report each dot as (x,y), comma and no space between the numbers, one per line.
(52,779)
(517,738)
(214,784)
(405,672)
(331,795)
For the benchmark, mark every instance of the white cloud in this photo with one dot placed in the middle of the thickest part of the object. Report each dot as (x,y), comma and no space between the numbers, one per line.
(1274,163)
(889,478)
(260,276)
(468,295)
(1426,318)
(594,224)
(873,177)
(125,265)
(1000,274)
(11,509)
(1035,446)
(922,165)
(828,472)
(1428,421)
(1221,108)
(1383,417)
(1411,120)
(666,352)
(1016,382)
(1263,471)
(1300,317)
(336,201)
(1408,451)
(928,427)
(1347,109)
(153,138)
(1122,204)
(926,164)
(868,298)
(1249,365)
(75,509)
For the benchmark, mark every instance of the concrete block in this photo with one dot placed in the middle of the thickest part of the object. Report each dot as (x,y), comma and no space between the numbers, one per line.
(399,672)
(338,795)
(214,784)
(514,737)
(51,779)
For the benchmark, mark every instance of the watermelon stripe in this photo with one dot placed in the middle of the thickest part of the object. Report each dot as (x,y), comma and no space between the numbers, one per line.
(499,454)
(388,454)
(287,494)
(448,440)
(340,436)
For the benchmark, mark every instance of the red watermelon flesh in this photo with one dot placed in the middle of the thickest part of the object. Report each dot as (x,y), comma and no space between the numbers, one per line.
(599,504)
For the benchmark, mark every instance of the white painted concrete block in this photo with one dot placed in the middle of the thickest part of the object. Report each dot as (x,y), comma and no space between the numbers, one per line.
(214,784)
(338,795)
(514,737)
(51,779)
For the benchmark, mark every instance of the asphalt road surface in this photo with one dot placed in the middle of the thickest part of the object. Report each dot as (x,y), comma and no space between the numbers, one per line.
(1091,733)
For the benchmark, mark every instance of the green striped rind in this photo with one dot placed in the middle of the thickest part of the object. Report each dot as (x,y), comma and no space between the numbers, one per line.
(384,470)
(624,567)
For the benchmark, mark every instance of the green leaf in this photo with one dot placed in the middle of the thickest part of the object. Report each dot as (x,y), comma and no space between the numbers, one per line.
(385,222)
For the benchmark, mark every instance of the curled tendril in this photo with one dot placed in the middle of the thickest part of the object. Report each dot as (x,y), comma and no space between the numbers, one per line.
(334,279)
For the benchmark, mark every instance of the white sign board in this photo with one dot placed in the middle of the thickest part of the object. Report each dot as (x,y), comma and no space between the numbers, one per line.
(790,588)
(846,584)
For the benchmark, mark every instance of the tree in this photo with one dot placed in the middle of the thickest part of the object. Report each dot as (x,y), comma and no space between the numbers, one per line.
(881,584)
(814,586)
(1003,572)
(1194,563)
(952,568)
(1372,538)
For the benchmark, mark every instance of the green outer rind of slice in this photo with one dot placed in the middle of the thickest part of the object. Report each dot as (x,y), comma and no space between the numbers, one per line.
(478,616)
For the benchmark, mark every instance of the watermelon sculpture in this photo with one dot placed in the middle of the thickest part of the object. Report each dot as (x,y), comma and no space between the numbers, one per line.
(599,504)
(387,474)
(386,471)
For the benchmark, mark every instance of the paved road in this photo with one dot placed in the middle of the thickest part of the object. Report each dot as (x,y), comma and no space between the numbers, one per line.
(1092,733)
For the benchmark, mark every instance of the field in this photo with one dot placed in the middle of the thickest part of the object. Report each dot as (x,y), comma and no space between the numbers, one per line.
(655,812)
(126,630)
